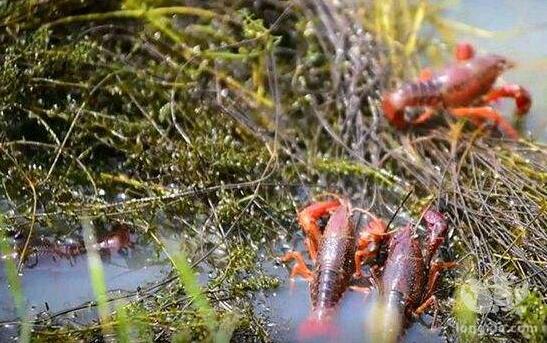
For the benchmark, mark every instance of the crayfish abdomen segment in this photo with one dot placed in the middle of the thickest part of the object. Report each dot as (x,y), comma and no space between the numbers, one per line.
(328,289)
(333,270)
(405,270)
(423,93)
(419,94)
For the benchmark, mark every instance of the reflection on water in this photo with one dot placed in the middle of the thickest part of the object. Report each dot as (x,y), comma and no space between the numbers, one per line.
(522,36)
(55,276)
(288,306)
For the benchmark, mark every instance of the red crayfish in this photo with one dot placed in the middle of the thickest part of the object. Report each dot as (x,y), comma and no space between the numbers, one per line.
(116,240)
(464,89)
(336,256)
(409,277)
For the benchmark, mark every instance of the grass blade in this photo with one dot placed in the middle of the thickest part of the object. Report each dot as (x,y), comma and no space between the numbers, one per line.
(15,286)
(96,274)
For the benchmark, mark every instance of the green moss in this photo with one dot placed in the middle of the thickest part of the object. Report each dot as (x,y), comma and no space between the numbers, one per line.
(174,109)
(532,311)
(352,168)
(243,274)
(464,313)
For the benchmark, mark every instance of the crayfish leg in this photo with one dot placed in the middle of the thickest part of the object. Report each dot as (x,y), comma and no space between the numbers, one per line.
(372,236)
(430,301)
(300,268)
(482,114)
(424,116)
(360,256)
(435,270)
(522,97)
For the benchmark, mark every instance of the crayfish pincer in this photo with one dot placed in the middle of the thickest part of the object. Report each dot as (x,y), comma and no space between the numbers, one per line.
(409,277)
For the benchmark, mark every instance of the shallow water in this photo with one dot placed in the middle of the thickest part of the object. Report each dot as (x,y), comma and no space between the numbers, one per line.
(288,306)
(52,283)
(521,34)
(62,285)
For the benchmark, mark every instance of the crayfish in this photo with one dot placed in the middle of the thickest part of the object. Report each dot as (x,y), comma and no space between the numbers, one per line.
(117,240)
(464,89)
(409,277)
(336,256)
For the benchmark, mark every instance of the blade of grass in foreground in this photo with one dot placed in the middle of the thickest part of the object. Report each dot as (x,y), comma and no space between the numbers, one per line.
(98,284)
(14,283)
(122,327)
(192,288)
(96,275)
(220,333)
(466,317)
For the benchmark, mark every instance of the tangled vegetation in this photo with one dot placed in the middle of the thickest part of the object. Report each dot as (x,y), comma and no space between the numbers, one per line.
(216,120)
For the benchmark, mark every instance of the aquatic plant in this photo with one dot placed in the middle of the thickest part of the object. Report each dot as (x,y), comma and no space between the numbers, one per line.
(216,121)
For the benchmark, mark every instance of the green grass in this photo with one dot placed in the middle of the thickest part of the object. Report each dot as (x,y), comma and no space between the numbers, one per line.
(96,274)
(532,311)
(14,284)
(217,122)
(218,331)
(123,330)
(198,300)
(120,322)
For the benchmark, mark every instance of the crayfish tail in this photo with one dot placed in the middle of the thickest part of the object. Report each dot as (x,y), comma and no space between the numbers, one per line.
(316,329)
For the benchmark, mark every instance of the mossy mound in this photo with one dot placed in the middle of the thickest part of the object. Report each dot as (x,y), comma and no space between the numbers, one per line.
(220,118)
